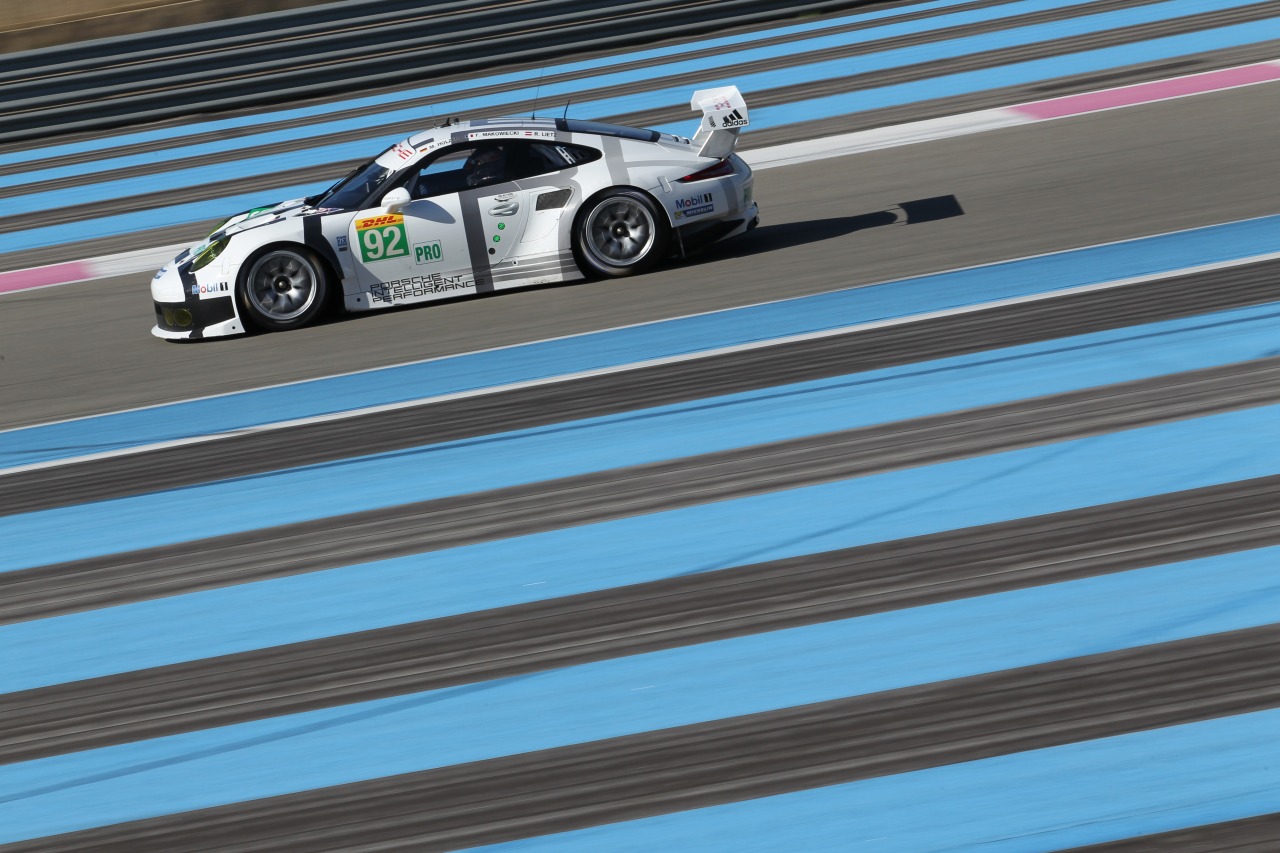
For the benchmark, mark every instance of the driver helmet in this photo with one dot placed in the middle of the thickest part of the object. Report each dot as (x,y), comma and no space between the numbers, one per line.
(485,165)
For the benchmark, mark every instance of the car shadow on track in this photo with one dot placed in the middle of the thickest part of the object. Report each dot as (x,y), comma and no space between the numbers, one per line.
(766,238)
(770,238)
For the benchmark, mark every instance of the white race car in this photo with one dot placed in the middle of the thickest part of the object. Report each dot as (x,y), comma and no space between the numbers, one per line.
(469,207)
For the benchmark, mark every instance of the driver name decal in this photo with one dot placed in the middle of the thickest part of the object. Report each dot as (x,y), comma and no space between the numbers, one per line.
(382,237)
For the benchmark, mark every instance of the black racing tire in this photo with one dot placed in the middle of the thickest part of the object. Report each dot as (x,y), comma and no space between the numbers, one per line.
(619,232)
(282,287)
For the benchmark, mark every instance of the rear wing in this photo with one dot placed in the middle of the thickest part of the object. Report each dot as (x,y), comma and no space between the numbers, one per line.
(724,113)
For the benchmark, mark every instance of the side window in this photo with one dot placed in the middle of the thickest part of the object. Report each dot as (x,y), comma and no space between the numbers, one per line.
(545,157)
(481,164)
(441,174)
(457,169)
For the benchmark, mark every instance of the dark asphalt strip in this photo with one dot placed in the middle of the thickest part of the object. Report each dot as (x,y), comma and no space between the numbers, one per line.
(416,428)
(741,758)
(453,522)
(680,610)
(1249,835)
(522,107)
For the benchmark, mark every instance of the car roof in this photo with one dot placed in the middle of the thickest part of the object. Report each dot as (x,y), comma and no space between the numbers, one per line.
(457,131)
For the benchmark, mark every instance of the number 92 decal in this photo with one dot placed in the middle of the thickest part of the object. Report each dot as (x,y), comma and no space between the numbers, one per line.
(382,237)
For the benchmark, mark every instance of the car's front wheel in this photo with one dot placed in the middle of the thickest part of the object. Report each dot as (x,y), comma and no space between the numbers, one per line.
(619,233)
(282,287)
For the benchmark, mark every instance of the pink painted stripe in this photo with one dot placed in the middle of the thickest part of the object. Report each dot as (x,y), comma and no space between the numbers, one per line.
(43,276)
(1157,90)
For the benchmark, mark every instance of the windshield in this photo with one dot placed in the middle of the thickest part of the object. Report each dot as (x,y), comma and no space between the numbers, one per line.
(351,192)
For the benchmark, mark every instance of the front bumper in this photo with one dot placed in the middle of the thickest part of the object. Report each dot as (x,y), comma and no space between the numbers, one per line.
(184,312)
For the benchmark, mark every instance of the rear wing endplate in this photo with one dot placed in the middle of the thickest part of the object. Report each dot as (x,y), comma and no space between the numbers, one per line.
(724,113)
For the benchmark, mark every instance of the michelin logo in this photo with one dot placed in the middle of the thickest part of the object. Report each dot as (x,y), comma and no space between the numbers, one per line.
(697,211)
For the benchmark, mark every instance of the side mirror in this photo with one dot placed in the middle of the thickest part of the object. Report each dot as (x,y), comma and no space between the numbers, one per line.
(396,199)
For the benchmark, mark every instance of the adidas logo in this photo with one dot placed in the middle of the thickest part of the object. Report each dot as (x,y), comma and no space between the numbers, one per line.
(733,119)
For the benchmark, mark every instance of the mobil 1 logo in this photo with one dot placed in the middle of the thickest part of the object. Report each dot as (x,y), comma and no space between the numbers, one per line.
(381,237)
(427,253)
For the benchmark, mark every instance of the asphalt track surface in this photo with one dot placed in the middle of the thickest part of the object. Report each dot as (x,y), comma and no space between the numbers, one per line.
(84,349)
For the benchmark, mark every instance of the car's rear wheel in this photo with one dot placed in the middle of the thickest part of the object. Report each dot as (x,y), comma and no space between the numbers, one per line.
(282,287)
(619,233)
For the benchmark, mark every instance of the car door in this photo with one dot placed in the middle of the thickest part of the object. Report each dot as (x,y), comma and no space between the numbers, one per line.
(418,252)
(502,211)
(445,241)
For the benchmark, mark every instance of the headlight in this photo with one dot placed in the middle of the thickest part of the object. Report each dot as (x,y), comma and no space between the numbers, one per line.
(206,254)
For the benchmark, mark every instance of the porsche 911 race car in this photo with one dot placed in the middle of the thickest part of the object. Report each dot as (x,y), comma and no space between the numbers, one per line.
(469,207)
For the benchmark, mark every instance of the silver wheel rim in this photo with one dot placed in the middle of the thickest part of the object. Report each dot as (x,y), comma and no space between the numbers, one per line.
(283,284)
(620,232)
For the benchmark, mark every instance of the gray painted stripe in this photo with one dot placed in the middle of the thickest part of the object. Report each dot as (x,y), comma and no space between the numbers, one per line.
(741,758)
(619,621)
(527,269)
(403,428)
(477,242)
(618,173)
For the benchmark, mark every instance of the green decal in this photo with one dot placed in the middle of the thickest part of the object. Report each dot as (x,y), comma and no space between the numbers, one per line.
(501,225)
(497,238)
(383,241)
(427,253)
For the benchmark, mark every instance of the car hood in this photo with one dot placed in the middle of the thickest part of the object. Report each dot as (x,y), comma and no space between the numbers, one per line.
(259,216)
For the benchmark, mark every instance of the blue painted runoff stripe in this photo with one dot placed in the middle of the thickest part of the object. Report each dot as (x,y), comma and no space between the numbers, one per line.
(1062,797)
(641,437)
(399,96)
(1031,71)
(629,695)
(460,104)
(845,66)
(612,348)
(721,535)
(69,234)
(251,167)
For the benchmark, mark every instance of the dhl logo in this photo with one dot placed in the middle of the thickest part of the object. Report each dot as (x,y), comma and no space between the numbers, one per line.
(379,221)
